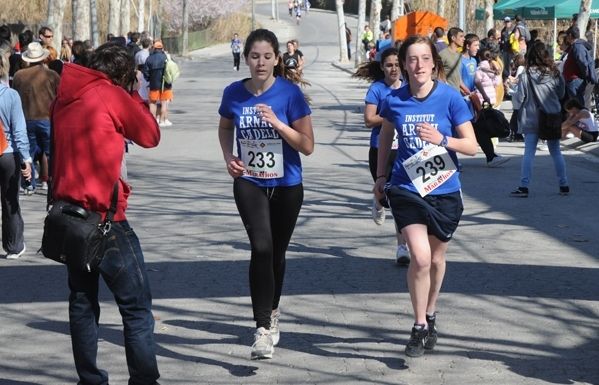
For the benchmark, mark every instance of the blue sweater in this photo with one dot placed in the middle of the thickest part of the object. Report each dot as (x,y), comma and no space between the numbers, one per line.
(13,120)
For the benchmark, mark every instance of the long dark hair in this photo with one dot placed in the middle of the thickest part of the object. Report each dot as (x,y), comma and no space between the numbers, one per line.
(538,56)
(262,34)
(372,71)
(438,70)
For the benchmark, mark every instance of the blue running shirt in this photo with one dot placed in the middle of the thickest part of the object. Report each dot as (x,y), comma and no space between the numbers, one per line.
(444,108)
(376,94)
(288,103)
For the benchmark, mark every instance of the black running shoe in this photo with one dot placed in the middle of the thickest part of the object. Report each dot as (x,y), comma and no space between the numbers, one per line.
(520,192)
(415,347)
(564,190)
(431,339)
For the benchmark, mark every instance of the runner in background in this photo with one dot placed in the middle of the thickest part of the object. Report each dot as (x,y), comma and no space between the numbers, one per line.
(385,76)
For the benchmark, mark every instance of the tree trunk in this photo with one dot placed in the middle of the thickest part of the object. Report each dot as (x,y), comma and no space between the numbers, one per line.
(93,14)
(55,15)
(359,30)
(125,17)
(375,18)
(441,8)
(114,19)
(81,19)
(185,26)
(395,10)
(489,22)
(583,17)
(141,16)
(341,32)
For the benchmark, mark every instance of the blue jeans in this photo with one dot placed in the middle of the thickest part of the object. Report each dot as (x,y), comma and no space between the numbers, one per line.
(38,133)
(530,148)
(575,89)
(124,272)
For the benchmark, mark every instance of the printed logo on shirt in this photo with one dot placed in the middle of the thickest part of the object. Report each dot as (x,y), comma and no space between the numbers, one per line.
(251,126)
(408,129)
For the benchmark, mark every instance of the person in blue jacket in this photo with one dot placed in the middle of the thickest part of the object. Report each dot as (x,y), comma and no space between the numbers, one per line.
(15,163)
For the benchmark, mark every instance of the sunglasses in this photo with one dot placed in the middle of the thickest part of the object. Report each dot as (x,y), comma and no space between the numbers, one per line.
(48,37)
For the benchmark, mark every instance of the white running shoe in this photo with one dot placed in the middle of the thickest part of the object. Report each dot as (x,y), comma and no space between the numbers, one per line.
(275,332)
(16,255)
(542,146)
(263,346)
(569,135)
(378,215)
(402,255)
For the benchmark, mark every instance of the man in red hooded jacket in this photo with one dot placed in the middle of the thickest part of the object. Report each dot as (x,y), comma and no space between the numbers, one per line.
(95,111)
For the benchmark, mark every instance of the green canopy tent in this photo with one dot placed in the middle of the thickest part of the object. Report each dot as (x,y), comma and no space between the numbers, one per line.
(540,10)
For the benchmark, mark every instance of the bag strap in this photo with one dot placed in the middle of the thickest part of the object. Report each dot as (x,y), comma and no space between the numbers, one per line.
(113,202)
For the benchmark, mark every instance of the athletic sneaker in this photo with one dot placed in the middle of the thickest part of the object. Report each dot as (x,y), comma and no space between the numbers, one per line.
(16,255)
(497,161)
(263,346)
(378,215)
(564,190)
(274,327)
(542,146)
(520,192)
(431,339)
(415,347)
(402,255)
(569,135)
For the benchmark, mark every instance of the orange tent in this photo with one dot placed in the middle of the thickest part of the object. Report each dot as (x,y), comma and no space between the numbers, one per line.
(417,23)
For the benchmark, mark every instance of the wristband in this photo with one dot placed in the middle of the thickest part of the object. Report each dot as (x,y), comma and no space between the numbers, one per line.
(381,176)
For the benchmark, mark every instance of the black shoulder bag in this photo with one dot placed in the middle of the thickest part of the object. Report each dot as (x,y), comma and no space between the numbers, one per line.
(74,235)
(550,125)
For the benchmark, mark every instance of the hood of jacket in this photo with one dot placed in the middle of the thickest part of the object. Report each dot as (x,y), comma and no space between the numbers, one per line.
(77,80)
(540,78)
(583,43)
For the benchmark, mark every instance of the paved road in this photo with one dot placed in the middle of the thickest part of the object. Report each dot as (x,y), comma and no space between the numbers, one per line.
(520,303)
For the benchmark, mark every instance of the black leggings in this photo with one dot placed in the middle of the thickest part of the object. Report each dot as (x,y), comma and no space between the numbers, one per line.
(269,216)
(485,143)
(236,59)
(373,155)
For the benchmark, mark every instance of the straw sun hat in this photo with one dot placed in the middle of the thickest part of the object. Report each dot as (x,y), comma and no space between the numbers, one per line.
(34,53)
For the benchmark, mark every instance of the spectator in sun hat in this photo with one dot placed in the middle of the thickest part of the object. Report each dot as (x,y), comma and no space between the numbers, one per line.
(37,86)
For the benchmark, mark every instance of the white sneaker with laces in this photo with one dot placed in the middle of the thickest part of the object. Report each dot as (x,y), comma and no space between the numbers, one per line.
(542,146)
(44,186)
(275,332)
(263,345)
(378,215)
(16,255)
(402,255)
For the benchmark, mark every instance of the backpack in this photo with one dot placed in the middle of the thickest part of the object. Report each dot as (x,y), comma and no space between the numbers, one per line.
(171,71)
(524,32)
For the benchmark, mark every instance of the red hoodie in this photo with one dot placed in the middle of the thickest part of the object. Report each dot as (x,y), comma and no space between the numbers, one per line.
(92,117)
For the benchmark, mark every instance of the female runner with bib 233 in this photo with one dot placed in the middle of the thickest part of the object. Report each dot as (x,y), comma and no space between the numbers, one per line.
(269,118)
(433,124)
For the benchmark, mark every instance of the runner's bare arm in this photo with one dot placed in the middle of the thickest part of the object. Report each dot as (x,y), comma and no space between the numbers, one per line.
(300,135)
(465,144)
(371,118)
(385,141)
(226,135)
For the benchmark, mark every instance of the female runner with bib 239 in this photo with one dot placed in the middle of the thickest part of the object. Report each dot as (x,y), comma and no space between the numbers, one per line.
(269,118)
(433,124)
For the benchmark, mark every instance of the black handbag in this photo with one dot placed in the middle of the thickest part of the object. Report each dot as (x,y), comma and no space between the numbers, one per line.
(550,125)
(492,121)
(76,236)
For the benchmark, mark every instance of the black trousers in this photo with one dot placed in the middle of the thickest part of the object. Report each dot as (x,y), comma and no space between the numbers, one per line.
(236,59)
(269,216)
(12,221)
